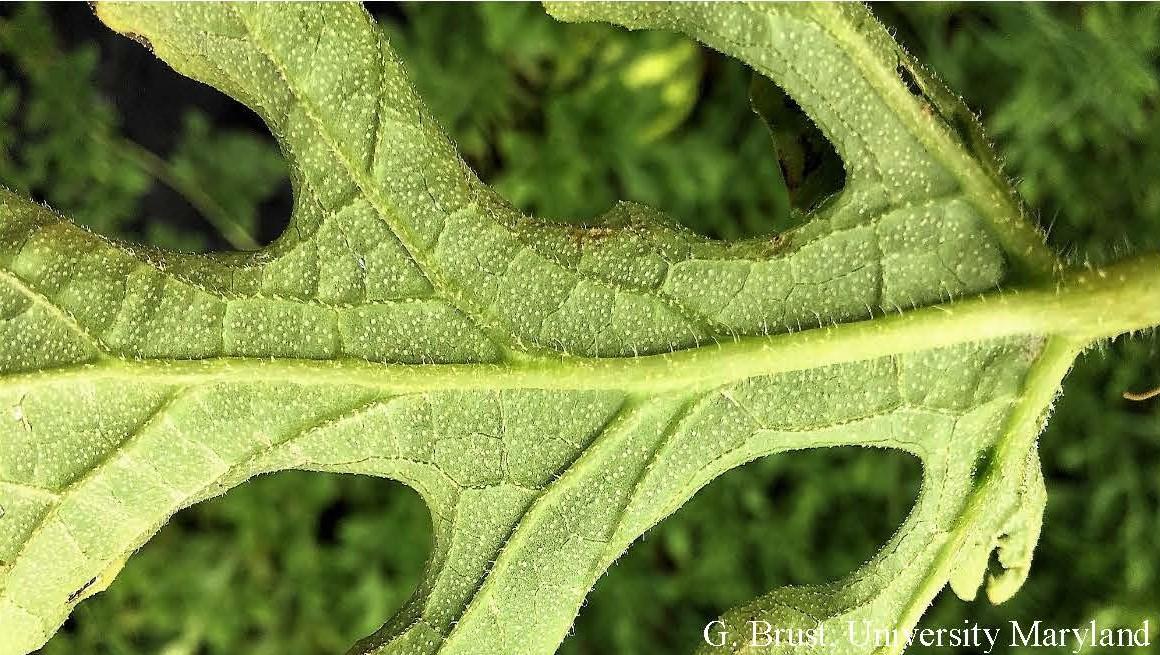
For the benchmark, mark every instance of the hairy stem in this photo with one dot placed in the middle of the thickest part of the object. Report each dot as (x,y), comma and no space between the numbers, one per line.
(1083,306)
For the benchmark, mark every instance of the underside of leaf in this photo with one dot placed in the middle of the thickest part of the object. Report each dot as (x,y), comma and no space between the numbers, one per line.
(551,391)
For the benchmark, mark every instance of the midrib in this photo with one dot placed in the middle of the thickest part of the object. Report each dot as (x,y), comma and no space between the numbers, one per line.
(1084,306)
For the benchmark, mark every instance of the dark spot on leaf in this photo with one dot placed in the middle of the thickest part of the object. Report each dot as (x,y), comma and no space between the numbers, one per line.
(77,594)
(909,80)
(960,122)
(982,464)
(777,242)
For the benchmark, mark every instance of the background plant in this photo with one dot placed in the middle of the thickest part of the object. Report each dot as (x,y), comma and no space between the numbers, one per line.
(683,134)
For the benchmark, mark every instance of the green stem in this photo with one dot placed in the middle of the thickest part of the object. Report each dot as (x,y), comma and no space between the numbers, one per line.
(1082,307)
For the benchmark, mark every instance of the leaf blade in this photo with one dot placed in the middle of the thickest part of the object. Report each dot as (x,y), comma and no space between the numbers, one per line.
(552,393)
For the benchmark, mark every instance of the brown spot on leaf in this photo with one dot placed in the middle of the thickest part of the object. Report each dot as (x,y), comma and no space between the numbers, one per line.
(586,235)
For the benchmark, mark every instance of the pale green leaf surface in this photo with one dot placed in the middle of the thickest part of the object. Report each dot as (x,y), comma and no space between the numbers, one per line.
(552,392)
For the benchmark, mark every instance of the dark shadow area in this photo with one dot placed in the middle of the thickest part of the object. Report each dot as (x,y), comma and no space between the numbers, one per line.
(797,518)
(811,169)
(106,133)
(306,563)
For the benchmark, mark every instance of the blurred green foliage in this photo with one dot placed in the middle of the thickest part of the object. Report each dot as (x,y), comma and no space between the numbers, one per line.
(1070,94)
(56,127)
(565,120)
(61,142)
